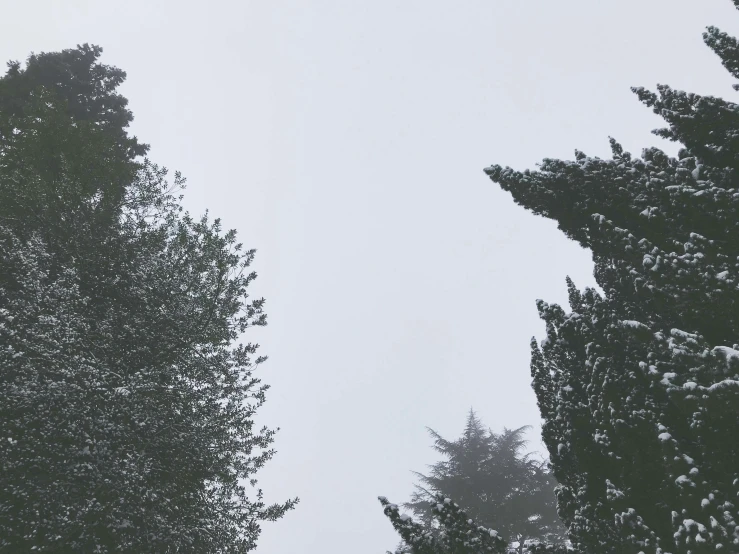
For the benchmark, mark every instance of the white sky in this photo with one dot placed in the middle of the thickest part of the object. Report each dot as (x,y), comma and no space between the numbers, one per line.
(345,140)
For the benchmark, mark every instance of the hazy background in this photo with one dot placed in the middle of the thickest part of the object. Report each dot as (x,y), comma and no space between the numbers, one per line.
(345,140)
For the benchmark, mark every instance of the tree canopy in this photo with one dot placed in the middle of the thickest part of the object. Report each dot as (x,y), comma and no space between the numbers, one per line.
(494,481)
(127,411)
(639,388)
(458,534)
(497,486)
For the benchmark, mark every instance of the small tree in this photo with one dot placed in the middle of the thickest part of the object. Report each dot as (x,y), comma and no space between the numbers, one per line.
(494,482)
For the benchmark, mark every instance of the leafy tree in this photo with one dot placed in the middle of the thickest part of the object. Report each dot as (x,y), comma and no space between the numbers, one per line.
(126,413)
(494,482)
(639,388)
(458,533)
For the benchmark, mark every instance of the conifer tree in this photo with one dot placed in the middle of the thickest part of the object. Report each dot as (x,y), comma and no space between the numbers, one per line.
(61,114)
(458,533)
(639,388)
(494,482)
(86,88)
(126,412)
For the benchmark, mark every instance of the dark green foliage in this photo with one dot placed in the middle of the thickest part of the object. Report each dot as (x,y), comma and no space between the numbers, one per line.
(494,482)
(458,533)
(62,115)
(86,87)
(126,413)
(639,389)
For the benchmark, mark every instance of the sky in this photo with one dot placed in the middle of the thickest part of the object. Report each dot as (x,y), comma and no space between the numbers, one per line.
(345,140)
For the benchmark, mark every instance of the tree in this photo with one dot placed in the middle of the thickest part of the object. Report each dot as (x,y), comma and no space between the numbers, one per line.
(85,87)
(458,534)
(493,482)
(44,110)
(639,388)
(126,413)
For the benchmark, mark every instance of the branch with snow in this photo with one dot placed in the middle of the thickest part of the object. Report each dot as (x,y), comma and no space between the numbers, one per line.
(459,533)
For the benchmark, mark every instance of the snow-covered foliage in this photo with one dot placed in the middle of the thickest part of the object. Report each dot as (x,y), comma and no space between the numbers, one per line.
(126,413)
(639,389)
(458,533)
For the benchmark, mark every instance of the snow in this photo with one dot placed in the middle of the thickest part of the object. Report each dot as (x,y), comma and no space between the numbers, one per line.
(599,218)
(684,480)
(728,353)
(726,383)
(689,524)
(666,378)
(690,385)
(679,333)
(634,324)
(664,436)
(124,524)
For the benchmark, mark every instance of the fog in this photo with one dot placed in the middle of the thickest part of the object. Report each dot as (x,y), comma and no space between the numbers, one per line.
(346,142)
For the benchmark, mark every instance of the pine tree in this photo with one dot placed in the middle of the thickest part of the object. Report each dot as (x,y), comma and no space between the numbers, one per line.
(494,482)
(639,388)
(126,413)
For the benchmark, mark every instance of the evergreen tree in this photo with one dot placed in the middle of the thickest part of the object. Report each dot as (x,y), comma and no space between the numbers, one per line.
(458,534)
(46,109)
(639,388)
(126,413)
(494,482)
(85,87)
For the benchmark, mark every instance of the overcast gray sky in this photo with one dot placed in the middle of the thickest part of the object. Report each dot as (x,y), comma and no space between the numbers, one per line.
(345,140)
